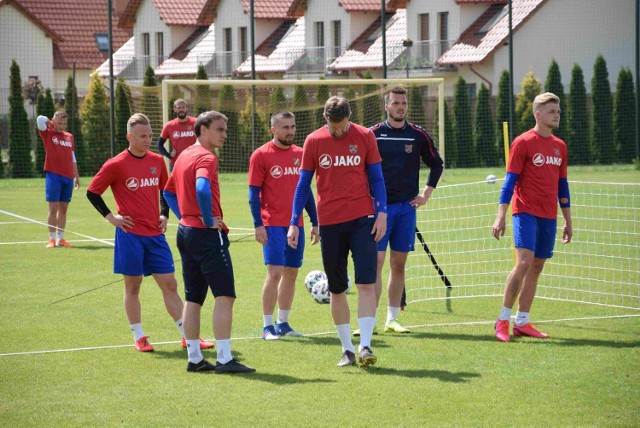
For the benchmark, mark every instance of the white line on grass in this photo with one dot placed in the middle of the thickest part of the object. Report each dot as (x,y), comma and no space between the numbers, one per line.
(44,242)
(92,348)
(48,225)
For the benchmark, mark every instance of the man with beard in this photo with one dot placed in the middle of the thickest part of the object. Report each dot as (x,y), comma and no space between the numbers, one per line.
(180,131)
(274,169)
(401,145)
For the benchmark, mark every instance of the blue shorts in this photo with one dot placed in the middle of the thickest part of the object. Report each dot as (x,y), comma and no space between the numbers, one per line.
(58,188)
(337,240)
(535,234)
(137,255)
(206,263)
(401,228)
(278,253)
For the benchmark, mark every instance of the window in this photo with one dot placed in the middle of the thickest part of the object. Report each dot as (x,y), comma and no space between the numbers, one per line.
(160,47)
(242,35)
(319,34)
(227,40)
(490,23)
(102,40)
(337,37)
(443,18)
(423,26)
(146,45)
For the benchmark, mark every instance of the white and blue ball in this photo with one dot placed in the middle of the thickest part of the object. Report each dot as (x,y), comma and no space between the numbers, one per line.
(312,278)
(320,291)
(491,179)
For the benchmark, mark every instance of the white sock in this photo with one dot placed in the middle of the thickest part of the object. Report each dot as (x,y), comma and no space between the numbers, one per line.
(60,234)
(224,351)
(522,318)
(137,331)
(52,235)
(283,316)
(180,327)
(344,333)
(505,314)
(193,348)
(267,320)
(366,331)
(392,313)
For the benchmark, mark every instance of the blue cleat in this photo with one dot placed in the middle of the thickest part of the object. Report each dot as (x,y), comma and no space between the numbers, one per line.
(269,333)
(284,329)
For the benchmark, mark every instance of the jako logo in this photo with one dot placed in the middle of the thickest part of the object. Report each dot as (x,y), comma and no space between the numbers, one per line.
(276,171)
(178,134)
(325,161)
(63,143)
(133,183)
(538,159)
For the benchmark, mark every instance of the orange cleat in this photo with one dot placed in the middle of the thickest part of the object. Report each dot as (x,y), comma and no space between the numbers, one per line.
(203,344)
(502,330)
(63,243)
(528,330)
(51,243)
(143,345)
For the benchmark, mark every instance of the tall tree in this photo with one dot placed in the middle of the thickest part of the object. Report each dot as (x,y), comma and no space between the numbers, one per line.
(579,136)
(277,100)
(484,130)
(602,103)
(122,114)
(19,139)
(203,92)
(74,126)
(250,119)
(463,125)
(502,113)
(95,124)
(174,94)
(355,104)
(150,103)
(371,103)
(44,107)
(416,112)
(304,115)
(624,115)
(228,105)
(531,88)
(553,84)
(321,97)
(448,149)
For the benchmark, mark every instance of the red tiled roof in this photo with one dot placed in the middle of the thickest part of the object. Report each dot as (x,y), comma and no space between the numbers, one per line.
(122,58)
(174,12)
(275,9)
(473,48)
(75,23)
(371,5)
(17,4)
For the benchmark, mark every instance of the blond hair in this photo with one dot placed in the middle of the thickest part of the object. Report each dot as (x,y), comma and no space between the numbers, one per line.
(60,114)
(137,119)
(543,99)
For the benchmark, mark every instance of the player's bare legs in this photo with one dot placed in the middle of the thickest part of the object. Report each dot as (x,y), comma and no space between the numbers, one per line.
(223,317)
(529,285)
(132,298)
(395,287)
(340,308)
(52,219)
(287,288)
(169,287)
(191,320)
(524,260)
(270,288)
(62,216)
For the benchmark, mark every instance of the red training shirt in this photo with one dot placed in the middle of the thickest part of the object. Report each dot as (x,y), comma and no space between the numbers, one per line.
(59,147)
(195,162)
(136,184)
(276,171)
(181,134)
(341,172)
(540,162)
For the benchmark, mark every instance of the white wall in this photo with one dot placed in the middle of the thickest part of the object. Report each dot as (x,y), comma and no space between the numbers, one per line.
(231,14)
(326,11)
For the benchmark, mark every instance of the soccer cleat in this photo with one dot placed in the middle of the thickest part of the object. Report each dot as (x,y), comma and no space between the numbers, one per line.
(348,359)
(284,329)
(502,330)
(233,366)
(63,243)
(394,326)
(202,366)
(528,330)
(203,344)
(143,345)
(357,332)
(51,243)
(269,333)
(366,357)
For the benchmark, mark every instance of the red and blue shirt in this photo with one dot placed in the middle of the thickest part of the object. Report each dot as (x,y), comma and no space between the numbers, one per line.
(181,134)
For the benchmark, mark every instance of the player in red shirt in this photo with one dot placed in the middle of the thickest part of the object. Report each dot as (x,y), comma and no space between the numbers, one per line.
(346,161)
(180,131)
(61,171)
(137,177)
(274,169)
(537,180)
(193,193)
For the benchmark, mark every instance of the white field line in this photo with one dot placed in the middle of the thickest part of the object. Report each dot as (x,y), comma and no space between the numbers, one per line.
(44,242)
(129,345)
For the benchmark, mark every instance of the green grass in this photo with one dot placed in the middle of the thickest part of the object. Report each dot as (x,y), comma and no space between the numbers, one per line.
(449,371)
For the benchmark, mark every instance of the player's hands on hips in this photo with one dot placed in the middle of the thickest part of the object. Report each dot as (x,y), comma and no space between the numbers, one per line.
(123,222)
(315,235)
(261,235)
(567,233)
(292,236)
(379,227)
(498,228)
(163,223)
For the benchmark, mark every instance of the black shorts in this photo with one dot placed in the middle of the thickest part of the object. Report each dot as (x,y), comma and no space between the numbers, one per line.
(206,263)
(337,240)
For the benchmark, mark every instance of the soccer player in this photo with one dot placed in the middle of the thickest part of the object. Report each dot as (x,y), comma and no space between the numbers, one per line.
(345,158)
(402,144)
(193,193)
(61,172)
(180,131)
(537,180)
(274,170)
(137,177)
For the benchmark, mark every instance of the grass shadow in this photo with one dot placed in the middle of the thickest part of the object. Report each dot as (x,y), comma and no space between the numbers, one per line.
(280,379)
(332,340)
(452,336)
(441,375)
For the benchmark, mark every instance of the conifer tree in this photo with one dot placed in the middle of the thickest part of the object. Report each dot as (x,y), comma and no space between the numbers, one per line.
(19,140)
(531,88)
(502,113)
(203,92)
(95,124)
(250,119)
(602,104)
(321,97)
(74,126)
(553,84)
(304,115)
(579,136)
(416,112)
(355,104)
(484,130)
(624,117)
(44,107)
(150,103)
(450,149)
(371,103)
(463,125)
(277,100)
(228,105)
(122,114)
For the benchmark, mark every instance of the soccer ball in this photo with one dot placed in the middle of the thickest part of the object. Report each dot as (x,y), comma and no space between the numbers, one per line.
(313,277)
(491,179)
(320,291)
